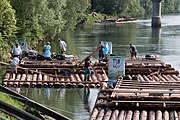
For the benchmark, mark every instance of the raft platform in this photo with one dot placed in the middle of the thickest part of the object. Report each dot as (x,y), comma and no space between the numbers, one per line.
(148,91)
(67,74)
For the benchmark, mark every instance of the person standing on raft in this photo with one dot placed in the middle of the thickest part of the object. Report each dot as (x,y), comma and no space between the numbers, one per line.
(87,71)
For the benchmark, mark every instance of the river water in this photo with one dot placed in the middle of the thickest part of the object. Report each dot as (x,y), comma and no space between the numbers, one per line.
(78,103)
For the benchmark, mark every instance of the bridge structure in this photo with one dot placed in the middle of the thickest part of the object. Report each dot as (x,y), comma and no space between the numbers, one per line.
(156,13)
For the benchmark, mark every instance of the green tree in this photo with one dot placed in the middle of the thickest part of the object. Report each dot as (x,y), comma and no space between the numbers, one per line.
(75,13)
(28,27)
(126,8)
(7,26)
(147,5)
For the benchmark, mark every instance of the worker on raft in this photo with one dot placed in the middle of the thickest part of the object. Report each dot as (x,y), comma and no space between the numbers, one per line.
(62,46)
(101,53)
(14,64)
(133,51)
(16,51)
(87,71)
(47,51)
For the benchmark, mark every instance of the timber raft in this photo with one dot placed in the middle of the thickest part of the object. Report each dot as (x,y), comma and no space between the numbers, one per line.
(67,74)
(148,91)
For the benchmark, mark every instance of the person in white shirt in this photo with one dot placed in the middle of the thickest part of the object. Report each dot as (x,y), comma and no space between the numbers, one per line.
(14,64)
(16,51)
(62,46)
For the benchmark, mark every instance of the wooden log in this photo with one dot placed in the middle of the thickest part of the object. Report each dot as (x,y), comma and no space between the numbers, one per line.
(121,115)
(100,79)
(80,85)
(166,78)
(140,78)
(39,84)
(27,83)
(171,72)
(159,115)
(57,84)
(6,78)
(48,65)
(178,75)
(94,114)
(178,113)
(166,115)
(68,84)
(15,84)
(155,78)
(13,76)
(129,115)
(62,82)
(101,114)
(73,79)
(34,78)
(176,78)
(104,78)
(143,115)
(107,114)
(50,84)
(151,79)
(23,78)
(136,115)
(171,78)
(151,115)
(45,79)
(115,115)
(146,78)
(82,76)
(161,78)
(94,78)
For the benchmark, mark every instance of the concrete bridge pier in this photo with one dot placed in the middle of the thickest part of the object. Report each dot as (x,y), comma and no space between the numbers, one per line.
(156,13)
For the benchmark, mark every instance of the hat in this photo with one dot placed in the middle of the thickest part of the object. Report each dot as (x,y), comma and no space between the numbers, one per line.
(48,43)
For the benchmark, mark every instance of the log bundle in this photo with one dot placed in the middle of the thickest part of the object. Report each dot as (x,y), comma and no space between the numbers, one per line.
(110,105)
(134,114)
(150,90)
(65,79)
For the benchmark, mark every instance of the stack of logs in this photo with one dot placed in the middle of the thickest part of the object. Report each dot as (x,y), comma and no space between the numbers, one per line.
(148,91)
(55,75)
(113,106)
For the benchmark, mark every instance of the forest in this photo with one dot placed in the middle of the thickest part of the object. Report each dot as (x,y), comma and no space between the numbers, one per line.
(32,20)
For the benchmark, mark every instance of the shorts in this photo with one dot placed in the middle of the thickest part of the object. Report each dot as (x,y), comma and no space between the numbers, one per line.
(87,70)
(13,66)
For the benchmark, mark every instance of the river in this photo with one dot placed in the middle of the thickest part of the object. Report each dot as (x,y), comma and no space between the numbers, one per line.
(78,103)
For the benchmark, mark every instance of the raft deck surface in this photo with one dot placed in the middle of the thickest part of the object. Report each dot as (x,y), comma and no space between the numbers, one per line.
(149,90)
(56,73)
(137,99)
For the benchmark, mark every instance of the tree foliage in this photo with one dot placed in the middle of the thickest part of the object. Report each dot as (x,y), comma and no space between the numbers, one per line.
(118,7)
(75,12)
(7,25)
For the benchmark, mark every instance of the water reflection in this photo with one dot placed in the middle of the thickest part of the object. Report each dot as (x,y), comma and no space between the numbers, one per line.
(46,93)
(76,104)
(86,94)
